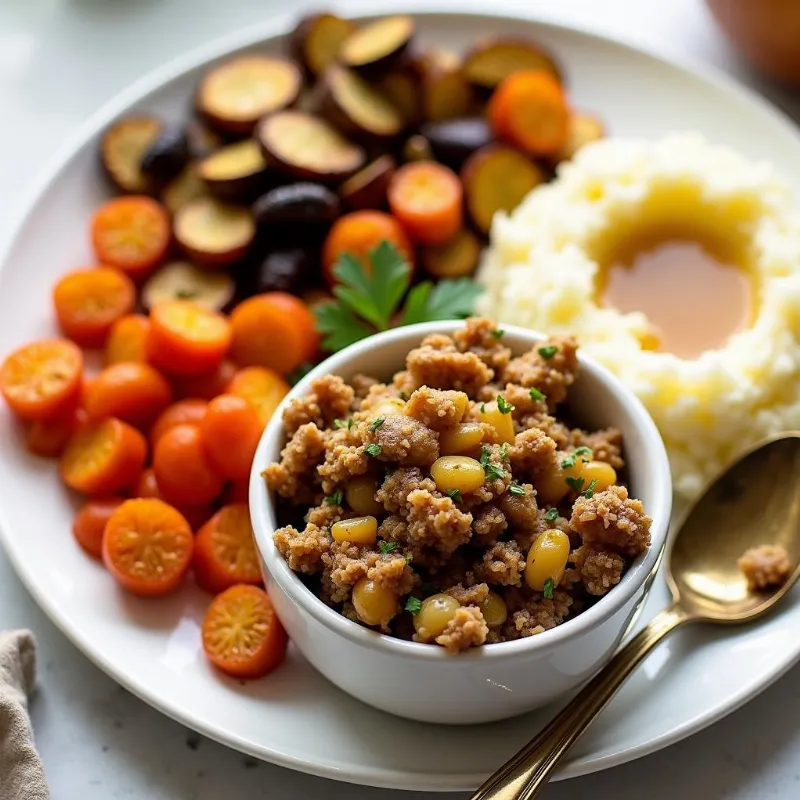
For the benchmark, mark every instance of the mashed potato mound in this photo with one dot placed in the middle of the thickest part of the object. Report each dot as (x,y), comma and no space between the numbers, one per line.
(542,271)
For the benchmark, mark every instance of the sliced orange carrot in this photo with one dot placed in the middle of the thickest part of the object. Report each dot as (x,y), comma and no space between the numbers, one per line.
(127,339)
(103,457)
(49,438)
(147,546)
(242,635)
(231,430)
(427,199)
(262,387)
(147,486)
(187,339)
(206,385)
(42,380)
(529,110)
(131,391)
(183,471)
(90,523)
(225,550)
(132,233)
(191,410)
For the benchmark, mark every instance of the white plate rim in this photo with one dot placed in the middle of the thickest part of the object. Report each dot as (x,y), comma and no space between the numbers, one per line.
(278,26)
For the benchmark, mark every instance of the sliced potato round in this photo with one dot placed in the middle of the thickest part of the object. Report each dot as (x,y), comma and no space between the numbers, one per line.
(213,233)
(202,140)
(496,178)
(236,94)
(494,59)
(303,202)
(187,187)
(357,108)
(181,280)
(307,147)
(583,128)
(368,187)
(166,156)
(378,45)
(122,148)
(317,39)
(236,173)
(446,94)
(458,258)
(454,140)
(403,90)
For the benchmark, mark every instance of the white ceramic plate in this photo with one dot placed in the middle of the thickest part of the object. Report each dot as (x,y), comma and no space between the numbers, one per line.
(295,718)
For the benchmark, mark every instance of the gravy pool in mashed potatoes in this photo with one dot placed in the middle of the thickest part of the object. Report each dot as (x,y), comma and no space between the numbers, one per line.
(719,268)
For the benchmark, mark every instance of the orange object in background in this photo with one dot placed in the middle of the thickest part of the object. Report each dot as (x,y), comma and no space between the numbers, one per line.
(103,457)
(131,391)
(187,339)
(191,411)
(184,473)
(242,635)
(147,546)
(49,438)
(147,486)
(230,430)
(427,199)
(127,339)
(206,385)
(264,388)
(529,110)
(225,551)
(131,233)
(359,233)
(42,380)
(90,523)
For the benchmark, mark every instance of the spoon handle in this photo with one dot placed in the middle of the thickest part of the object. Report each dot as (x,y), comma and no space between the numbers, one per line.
(526,773)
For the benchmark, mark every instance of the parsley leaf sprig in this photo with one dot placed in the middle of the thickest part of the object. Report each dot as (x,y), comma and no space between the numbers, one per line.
(367,300)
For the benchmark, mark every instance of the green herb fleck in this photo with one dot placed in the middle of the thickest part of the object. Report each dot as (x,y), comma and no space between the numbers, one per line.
(568,462)
(343,423)
(483,408)
(413,604)
(536,394)
(590,488)
(335,499)
(583,451)
(376,423)
(486,454)
(409,559)
(551,515)
(372,449)
(503,404)
(548,352)
(575,483)
(455,495)
(547,591)
(493,472)
(387,547)
(515,488)
(504,451)
(185,294)
(498,333)
(300,372)
(404,396)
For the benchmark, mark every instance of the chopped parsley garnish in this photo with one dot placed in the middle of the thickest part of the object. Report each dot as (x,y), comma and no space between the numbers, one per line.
(536,394)
(387,547)
(503,404)
(367,298)
(583,451)
(486,454)
(455,495)
(493,472)
(335,499)
(515,488)
(413,604)
(498,333)
(483,408)
(504,451)
(574,483)
(343,423)
(551,515)
(376,423)
(372,449)
(548,352)
(404,396)
(409,559)
(547,591)
(568,462)
(589,491)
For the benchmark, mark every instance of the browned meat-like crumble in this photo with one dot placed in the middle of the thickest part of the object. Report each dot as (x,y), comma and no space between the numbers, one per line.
(764,566)
(456,505)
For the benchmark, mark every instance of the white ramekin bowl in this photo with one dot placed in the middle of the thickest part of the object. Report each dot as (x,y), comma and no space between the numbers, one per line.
(423,682)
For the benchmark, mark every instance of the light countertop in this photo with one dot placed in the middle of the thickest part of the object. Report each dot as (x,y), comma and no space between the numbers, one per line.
(59,61)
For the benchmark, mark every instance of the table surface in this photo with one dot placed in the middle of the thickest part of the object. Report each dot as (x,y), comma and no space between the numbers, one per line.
(59,61)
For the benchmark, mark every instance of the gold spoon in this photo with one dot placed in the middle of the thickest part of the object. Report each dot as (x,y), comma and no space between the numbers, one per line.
(755,501)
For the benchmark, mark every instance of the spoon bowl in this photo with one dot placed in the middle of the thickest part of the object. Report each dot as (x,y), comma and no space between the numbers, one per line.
(756,501)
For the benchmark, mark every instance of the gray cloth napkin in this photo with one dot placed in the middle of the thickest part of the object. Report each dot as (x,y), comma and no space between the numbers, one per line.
(21,773)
